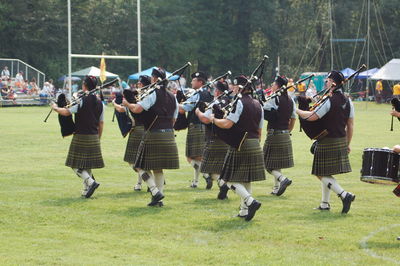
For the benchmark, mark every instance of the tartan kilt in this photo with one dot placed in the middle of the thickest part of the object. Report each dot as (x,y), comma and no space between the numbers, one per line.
(85,152)
(331,157)
(246,165)
(213,156)
(135,136)
(278,152)
(195,140)
(157,151)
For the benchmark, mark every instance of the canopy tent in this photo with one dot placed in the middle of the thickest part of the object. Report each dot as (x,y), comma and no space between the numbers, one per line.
(367,73)
(147,72)
(65,77)
(347,72)
(92,71)
(390,71)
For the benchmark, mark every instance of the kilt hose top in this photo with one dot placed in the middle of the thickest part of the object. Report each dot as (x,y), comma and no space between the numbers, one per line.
(85,152)
(331,157)
(246,165)
(195,140)
(135,136)
(157,150)
(213,156)
(278,152)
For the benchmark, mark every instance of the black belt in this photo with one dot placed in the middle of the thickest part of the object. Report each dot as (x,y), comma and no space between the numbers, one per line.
(162,130)
(276,132)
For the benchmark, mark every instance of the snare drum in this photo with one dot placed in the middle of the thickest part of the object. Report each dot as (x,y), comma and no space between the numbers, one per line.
(380,166)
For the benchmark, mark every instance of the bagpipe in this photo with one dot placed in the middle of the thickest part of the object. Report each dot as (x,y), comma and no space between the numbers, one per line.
(66,122)
(181,121)
(125,119)
(207,85)
(315,130)
(149,89)
(235,136)
(395,106)
(283,89)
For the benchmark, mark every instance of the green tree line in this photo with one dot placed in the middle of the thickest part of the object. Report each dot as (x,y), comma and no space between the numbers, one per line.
(216,35)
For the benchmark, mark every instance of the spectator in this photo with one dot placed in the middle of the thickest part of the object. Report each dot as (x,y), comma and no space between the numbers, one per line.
(25,87)
(378,91)
(182,81)
(396,90)
(311,91)
(301,88)
(5,73)
(33,88)
(19,79)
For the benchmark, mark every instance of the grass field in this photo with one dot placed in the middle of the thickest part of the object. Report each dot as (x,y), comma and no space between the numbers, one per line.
(43,219)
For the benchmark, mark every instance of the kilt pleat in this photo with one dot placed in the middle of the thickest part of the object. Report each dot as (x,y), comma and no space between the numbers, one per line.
(195,140)
(135,136)
(246,165)
(331,157)
(85,152)
(278,152)
(157,151)
(213,156)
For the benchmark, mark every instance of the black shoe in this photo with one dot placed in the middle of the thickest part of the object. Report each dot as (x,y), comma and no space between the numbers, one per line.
(209,182)
(223,191)
(91,189)
(193,185)
(273,193)
(254,206)
(284,184)
(347,202)
(156,199)
(398,238)
(157,204)
(241,216)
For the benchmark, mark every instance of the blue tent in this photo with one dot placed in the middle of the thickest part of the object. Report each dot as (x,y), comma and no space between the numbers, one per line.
(148,73)
(347,72)
(367,73)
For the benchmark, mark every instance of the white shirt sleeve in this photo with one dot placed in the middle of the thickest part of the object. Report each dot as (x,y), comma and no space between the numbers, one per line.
(351,109)
(323,109)
(262,118)
(294,109)
(149,101)
(234,116)
(191,103)
(176,112)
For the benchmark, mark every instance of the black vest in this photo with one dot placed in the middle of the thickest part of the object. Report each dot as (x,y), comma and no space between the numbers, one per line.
(163,109)
(249,120)
(335,119)
(284,112)
(88,116)
(204,96)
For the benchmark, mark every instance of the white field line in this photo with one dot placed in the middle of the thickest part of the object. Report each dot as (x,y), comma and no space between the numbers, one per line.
(364,243)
